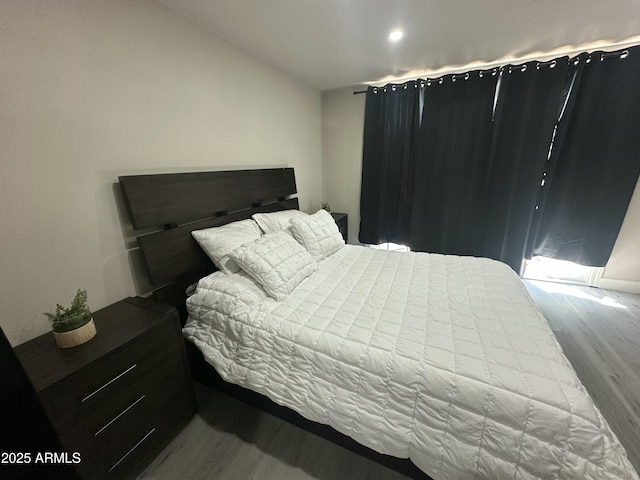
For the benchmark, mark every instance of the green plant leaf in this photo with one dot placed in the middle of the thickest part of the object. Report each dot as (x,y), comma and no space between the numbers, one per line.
(66,319)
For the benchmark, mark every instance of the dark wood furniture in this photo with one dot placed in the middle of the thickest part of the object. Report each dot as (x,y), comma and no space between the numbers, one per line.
(25,429)
(118,399)
(341,220)
(176,204)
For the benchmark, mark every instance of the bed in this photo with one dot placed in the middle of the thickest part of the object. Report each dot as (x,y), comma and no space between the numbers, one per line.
(443,360)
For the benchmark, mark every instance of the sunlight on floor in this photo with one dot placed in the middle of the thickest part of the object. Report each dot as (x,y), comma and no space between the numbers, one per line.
(542,268)
(586,293)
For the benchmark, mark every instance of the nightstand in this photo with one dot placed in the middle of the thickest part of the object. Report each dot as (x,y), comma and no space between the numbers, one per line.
(120,398)
(341,220)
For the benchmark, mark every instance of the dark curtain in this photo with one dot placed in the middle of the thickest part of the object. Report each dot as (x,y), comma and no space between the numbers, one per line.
(595,162)
(529,103)
(451,167)
(388,162)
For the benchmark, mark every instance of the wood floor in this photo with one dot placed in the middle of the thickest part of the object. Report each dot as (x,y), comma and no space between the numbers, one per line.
(599,332)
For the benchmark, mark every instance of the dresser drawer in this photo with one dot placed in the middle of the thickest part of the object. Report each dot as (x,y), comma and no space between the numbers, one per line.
(127,410)
(103,389)
(126,451)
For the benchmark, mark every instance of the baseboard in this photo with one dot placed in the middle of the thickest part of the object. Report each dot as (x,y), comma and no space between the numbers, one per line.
(620,285)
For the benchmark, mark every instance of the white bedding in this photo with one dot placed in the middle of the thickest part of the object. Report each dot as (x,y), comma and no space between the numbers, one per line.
(441,359)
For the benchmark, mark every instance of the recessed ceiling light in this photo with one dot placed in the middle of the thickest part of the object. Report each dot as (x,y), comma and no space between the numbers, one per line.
(396,35)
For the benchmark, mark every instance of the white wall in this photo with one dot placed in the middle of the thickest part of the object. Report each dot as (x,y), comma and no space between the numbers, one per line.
(93,90)
(342,127)
(623,269)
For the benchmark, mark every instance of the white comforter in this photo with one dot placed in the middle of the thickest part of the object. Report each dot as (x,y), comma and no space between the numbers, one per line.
(441,359)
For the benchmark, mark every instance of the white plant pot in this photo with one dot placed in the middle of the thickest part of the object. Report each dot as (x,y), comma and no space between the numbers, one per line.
(76,337)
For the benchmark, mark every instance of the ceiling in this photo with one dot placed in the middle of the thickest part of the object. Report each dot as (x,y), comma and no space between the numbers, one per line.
(335,43)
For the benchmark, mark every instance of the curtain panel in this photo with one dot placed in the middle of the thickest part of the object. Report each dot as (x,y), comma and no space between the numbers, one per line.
(597,161)
(388,163)
(448,213)
(528,106)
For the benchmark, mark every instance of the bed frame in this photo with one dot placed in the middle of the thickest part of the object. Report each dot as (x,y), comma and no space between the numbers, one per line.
(176,204)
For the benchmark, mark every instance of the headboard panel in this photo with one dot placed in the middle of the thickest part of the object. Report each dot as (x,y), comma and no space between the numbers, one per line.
(185,254)
(179,203)
(174,198)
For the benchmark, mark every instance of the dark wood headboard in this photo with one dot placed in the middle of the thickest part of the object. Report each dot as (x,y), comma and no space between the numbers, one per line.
(179,203)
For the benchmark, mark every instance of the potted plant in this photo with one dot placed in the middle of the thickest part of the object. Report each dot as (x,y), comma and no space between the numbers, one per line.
(326,206)
(74,325)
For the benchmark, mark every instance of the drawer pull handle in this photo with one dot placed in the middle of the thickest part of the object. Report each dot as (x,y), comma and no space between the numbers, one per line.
(119,415)
(132,449)
(87,397)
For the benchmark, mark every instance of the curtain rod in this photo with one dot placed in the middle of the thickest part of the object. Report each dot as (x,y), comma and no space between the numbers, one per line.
(622,53)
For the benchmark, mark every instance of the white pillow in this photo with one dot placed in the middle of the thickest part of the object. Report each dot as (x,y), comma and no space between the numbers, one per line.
(277,221)
(277,262)
(218,242)
(235,295)
(318,233)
